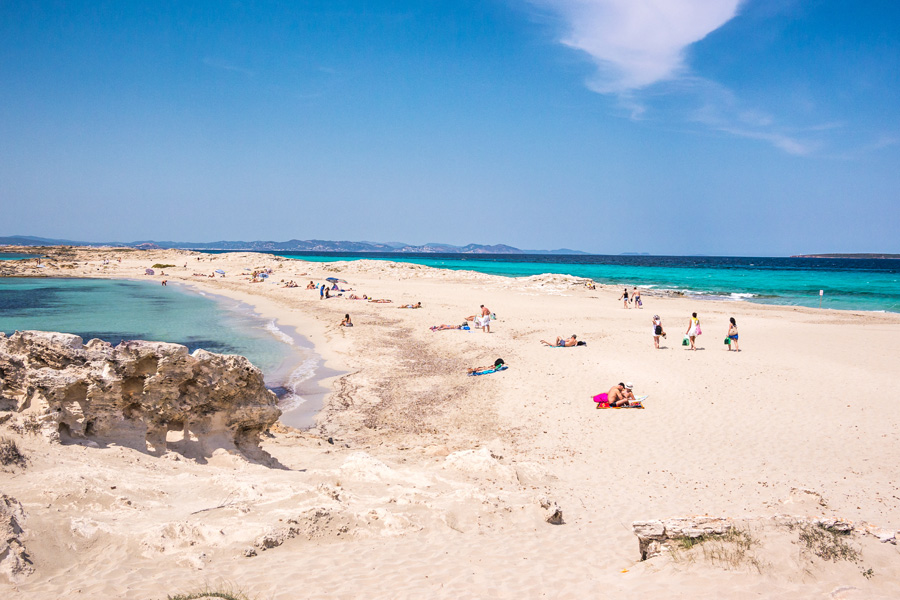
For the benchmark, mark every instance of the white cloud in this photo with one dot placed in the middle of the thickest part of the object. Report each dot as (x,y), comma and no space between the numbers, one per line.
(636,43)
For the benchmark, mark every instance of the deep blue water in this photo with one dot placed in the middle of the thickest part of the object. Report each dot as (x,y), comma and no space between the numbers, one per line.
(850,284)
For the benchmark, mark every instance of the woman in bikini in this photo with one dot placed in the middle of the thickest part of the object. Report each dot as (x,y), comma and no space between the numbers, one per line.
(733,335)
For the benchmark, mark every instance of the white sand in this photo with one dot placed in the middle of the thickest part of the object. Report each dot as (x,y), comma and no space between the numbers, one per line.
(432,486)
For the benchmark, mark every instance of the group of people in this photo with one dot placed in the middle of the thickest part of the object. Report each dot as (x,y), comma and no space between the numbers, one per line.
(635,298)
(481,319)
(619,395)
(694,330)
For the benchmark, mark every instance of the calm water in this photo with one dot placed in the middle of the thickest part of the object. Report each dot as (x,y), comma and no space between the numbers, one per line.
(848,284)
(16,256)
(117,310)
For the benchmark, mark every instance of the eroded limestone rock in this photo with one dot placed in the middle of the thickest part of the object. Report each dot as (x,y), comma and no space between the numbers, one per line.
(14,560)
(135,394)
(654,536)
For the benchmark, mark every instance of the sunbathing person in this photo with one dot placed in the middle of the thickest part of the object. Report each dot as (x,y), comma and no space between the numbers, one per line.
(311,286)
(355,297)
(380,301)
(497,364)
(444,327)
(619,395)
(563,342)
(416,305)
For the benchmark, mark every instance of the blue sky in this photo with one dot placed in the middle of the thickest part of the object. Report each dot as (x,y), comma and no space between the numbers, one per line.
(760,127)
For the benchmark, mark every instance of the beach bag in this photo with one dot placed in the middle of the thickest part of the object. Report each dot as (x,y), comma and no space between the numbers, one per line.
(658,330)
(685,341)
(602,399)
(728,341)
(698,329)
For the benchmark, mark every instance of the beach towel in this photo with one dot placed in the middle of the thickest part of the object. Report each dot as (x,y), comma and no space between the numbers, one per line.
(602,401)
(489,371)
(636,404)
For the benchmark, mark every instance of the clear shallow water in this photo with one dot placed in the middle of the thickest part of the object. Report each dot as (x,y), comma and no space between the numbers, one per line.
(16,256)
(117,310)
(849,284)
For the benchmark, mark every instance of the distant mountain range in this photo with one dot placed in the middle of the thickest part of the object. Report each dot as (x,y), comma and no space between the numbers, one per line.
(292,246)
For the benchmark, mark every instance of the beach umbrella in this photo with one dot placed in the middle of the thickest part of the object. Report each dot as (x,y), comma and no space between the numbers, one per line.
(220,271)
(335,280)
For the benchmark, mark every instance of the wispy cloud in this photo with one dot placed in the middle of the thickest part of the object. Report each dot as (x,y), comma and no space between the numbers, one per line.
(636,43)
(639,48)
(226,66)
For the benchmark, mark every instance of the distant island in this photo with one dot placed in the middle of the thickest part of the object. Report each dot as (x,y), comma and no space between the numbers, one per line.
(290,246)
(859,256)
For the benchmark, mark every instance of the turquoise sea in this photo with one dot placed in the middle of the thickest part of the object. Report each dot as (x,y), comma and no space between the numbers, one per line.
(847,284)
(116,310)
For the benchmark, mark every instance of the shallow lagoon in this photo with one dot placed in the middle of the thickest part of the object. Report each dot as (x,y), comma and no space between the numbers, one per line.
(116,310)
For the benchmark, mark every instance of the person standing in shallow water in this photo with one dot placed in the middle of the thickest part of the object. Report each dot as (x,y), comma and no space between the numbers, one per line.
(693,329)
(733,335)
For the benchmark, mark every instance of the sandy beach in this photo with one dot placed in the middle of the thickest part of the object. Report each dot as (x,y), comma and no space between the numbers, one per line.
(418,481)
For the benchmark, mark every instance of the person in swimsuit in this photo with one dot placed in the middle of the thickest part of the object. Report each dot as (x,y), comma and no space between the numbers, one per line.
(416,305)
(562,342)
(693,329)
(346,322)
(444,327)
(636,298)
(497,364)
(657,330)
(733,335)
(485,319)
(624,297)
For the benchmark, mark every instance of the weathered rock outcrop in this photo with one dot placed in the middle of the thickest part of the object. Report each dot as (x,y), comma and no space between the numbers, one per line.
(14,559)
(654,536)
(135,394)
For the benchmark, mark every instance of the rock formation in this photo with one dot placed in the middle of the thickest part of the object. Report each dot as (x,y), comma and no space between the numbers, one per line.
(14,559)
(135,394)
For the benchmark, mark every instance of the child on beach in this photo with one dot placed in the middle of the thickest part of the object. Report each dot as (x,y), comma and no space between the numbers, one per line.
(693,329)
(346,322)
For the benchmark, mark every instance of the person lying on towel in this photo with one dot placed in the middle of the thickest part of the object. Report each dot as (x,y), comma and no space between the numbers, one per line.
(497,364)
(562,342)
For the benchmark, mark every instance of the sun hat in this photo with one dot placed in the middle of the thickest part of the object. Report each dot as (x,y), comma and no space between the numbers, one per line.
(629,385)
(655,316)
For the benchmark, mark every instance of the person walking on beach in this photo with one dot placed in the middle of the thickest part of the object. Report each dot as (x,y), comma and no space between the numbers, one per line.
(322,292)
(636,298)
(657,330)
(624,297)
(693,329)
(485,319)
(733,336)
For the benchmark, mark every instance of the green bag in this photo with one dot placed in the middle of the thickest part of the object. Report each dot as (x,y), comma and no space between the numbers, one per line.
(728,341)
(685,341)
